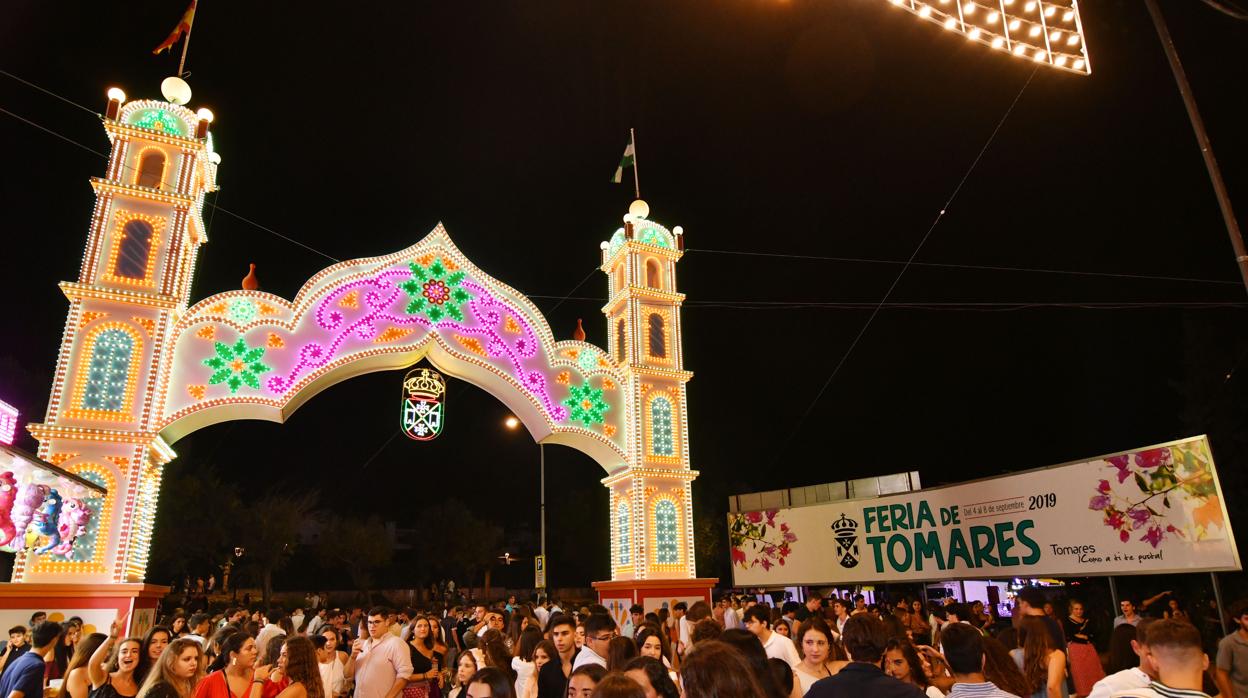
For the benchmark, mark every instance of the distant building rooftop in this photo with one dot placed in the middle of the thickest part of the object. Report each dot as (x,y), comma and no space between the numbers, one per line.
(862,488)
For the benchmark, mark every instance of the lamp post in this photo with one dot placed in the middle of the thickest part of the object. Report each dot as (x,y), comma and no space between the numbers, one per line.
(513,423)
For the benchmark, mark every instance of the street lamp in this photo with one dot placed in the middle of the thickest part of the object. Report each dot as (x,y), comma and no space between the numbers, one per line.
(513,423)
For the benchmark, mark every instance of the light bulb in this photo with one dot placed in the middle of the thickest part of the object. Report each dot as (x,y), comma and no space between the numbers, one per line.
(968,8)
(116,93)
(204,114)
(925,11)
(974,34)
(951,23)
(998,42)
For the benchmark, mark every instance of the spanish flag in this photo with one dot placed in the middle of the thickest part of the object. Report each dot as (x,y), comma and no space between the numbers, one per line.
(184,26)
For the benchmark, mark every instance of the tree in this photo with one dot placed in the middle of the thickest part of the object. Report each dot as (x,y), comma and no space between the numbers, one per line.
(361,547)
(197,523)
(270,534)
(459,543)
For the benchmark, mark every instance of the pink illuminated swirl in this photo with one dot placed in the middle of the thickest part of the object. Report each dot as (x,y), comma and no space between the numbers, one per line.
(485,321)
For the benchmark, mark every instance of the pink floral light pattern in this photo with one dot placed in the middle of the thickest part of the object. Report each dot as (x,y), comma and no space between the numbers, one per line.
(768,543)
(378,296)
(1157,473)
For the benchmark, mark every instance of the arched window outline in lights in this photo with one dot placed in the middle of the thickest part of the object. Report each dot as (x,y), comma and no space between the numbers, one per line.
(666,522)
(656,335)
(654,273)
(123,219)
(621,340)
(101,518)
(104,401)
(150,167)
(660,427)
(623,532)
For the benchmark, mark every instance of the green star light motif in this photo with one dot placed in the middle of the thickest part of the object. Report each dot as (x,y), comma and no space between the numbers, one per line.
(585,403)
(435,291)
(236,365)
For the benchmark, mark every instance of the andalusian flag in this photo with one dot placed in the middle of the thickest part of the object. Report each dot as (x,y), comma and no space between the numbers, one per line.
(184,27)
(626,161)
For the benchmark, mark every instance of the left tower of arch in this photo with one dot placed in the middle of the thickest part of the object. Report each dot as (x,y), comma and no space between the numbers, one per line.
(145,231)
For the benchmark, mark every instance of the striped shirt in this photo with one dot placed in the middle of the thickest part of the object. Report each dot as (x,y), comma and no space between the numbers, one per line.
(1157,689)
(987,689)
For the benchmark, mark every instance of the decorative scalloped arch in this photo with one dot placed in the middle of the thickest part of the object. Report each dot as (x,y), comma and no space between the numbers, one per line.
(254,355)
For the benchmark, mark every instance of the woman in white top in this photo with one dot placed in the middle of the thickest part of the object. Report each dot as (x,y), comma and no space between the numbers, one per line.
(543,652)
(467,668)
(902,662)
(814,644)
(522,662)
(333,677)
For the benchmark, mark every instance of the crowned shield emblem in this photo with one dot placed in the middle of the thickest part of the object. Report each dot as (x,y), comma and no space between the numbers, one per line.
(846,531)
(423,392)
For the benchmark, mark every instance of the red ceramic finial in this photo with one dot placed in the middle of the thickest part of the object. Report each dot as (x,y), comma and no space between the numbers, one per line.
(250,282)
(579,333)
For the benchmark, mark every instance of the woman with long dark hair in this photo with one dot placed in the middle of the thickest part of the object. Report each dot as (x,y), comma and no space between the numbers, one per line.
(522,662)
(751,648)
(494,650)
(300,670)
(77,683)
(495,682)
(234,673)
(653,642)
(154,643)
(616,685)
(1042,664)
(902,662)
(620,650)
(717,670)
(178,671)
(999,668)
(426,662)
(653,677)
(466,668)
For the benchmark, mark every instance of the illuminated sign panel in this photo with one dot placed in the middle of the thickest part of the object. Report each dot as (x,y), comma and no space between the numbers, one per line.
(1033,30)
(8,423)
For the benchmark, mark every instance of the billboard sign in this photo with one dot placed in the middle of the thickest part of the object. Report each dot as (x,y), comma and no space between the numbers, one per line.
(1154,510)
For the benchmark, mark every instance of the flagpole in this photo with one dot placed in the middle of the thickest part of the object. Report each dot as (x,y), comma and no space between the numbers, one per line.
(632,138)
(185,45)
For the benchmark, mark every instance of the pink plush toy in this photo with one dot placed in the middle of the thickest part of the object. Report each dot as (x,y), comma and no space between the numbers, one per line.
(74,517)
(29,498)
(8,492)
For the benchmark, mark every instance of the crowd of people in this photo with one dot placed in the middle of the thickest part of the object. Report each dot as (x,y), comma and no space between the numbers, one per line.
(735,648)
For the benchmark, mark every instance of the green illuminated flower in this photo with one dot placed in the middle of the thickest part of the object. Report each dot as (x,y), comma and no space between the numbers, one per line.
(586,404)
(435,291)
(159,120)
(236,365)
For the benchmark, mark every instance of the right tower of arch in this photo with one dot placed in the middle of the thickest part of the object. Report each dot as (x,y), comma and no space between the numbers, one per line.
(651,497)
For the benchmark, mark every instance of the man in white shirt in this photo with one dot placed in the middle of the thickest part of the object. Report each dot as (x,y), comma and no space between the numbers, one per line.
(682,625)
(314,625)
(1175,652)
(382,664)
(1135,677)
(731,619)
(542,611)
(636,616)
(777,646)
(599,629)
(200,626)
(270,630)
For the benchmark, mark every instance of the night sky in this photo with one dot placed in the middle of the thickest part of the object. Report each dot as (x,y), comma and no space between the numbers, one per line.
(811,128)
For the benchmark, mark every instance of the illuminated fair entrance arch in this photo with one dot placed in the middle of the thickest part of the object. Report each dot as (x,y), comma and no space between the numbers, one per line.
(140,366)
